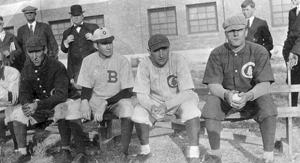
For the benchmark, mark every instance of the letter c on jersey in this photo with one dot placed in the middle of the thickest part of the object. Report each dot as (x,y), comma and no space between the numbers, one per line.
(172,81)
(112,76)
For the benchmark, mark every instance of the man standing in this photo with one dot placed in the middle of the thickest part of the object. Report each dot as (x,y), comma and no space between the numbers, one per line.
(239,68)
(9,93)
(258,30)
(10,48)
(77,42)
(291,48)
(35,28)
(106,79)
(164,85)
(45,90)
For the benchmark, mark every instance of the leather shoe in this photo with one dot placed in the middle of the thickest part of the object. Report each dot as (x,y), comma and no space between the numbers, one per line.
(65,156)
(143,157)
(211,159)
(80,158)
(23,158)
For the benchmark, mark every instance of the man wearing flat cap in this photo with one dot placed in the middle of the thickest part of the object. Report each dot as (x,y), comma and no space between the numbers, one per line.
(77,42)
(238,74)
(107,81)
(164,86)
(35,28)
(45,91)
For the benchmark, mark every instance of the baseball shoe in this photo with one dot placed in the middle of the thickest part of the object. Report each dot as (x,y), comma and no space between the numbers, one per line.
(194,160)
(211,159)
(142,157)
(267,161)
(65,156)
(23,158)
(80,158)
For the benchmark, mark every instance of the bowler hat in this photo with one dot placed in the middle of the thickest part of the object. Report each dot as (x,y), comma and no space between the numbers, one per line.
(35,43)
(29,9)
(76,10)
(102,35)
(158,41)
(234,23)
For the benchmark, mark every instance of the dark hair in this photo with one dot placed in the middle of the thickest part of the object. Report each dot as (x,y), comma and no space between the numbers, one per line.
(1,18)
(248,3)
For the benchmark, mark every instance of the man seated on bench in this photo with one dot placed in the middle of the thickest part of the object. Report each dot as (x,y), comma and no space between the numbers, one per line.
(9,93)
(238,74)
(45,85)
(107,80)
(164,85)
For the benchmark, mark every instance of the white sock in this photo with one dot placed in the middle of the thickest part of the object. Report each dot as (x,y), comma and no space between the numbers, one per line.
(145,149)
(23,151)
(268,155)
(194,152)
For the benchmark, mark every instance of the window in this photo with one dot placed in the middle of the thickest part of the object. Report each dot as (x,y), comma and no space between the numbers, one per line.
(162,21)
(202,18)
(58,27)
(10,29)
(280,12)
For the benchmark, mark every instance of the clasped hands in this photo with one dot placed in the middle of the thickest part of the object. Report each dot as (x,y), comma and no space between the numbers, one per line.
(158,112)
(98,114)
(70,38)
(237,104)
(29,109)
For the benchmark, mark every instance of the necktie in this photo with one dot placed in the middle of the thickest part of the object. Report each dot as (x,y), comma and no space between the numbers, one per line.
(78,27)
(248,23)
(31,30)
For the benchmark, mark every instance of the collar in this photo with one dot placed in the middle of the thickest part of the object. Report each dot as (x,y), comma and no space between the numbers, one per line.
(251,20)
(80,25)
(33,24)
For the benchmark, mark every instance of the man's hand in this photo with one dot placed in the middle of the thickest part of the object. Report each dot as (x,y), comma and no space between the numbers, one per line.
(89,36)
(29,109)
(293,60)
(69,39)
(98,115)
(85,109)
(228,96)
(159,112)
(12,57)
(245,97)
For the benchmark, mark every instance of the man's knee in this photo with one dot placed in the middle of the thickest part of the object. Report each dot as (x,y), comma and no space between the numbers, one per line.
(189,111)
(126,108)
(18,115)
(140,115)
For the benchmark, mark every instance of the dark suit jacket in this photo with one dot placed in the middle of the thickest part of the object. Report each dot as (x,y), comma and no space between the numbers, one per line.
(19,56)
(292,43)
(42,30)
(259,33)
(79,48)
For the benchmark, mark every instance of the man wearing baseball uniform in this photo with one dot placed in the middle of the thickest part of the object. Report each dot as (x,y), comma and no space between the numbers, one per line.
(164,85)
(107,81)
(242,67)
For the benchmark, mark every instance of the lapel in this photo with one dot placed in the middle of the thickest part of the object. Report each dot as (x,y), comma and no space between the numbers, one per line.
(252,28)
(37,29)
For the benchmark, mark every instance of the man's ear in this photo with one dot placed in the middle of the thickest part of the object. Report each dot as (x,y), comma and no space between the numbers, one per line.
(95,46)
(45,50)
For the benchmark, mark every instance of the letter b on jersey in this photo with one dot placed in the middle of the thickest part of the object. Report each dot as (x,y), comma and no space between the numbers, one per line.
(112,76)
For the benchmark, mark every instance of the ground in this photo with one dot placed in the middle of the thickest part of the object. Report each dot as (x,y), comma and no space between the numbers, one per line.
(168,146)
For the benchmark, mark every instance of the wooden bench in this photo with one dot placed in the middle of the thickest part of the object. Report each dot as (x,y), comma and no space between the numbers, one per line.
(287,112)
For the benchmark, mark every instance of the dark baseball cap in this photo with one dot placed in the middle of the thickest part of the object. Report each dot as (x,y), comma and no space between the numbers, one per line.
(35,43)
(158,41)
(234,23)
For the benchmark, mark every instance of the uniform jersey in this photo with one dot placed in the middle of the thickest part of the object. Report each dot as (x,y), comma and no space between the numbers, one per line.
(166,82)
(106,76)
(238,71)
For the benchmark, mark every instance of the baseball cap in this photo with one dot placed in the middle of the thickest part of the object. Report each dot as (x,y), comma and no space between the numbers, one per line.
(102,35)
(35,43)
(29,9)
(234,23)
(158,41)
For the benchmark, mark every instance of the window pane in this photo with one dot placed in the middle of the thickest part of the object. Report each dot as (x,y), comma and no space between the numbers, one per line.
(163,21)
(280,10)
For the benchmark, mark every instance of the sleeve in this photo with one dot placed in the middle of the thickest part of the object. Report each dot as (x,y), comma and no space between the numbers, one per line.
(62,45)
(13,79)
(185,81)
(61,83)
(266,34)
(84,78)
(25,90)
(214,71)
(127,80)
(51,41)
(142,79)
(262,71)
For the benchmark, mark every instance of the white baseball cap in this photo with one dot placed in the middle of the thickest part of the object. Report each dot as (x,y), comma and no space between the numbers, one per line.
(102,35)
